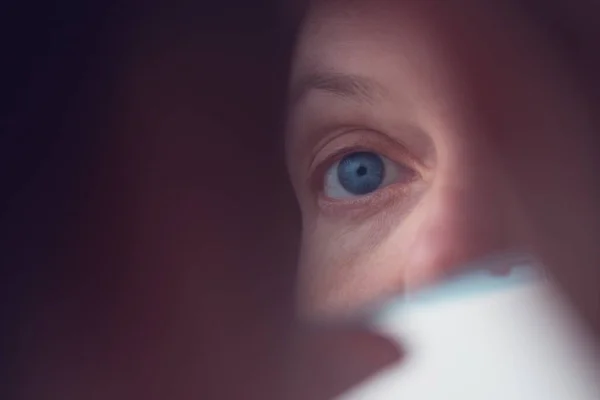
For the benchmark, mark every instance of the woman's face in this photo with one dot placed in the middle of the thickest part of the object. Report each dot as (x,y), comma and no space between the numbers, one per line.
(408,123)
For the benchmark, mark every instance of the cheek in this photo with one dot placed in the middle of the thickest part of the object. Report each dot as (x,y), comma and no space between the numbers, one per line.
(452,221)
(344,266)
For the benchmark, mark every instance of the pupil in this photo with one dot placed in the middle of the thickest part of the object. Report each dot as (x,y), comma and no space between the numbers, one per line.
(361,173)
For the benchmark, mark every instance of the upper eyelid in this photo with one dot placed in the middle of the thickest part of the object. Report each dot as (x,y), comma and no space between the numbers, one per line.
(332,139)
(339,154)
(308,128)
(366,140)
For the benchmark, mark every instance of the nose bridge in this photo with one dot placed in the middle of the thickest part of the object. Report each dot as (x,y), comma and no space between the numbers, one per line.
(463,215)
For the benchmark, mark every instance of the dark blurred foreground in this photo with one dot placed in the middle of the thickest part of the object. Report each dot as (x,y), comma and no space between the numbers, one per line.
(137,135)
(144,213)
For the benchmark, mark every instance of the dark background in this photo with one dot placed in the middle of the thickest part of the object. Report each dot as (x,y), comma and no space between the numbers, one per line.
(122,123)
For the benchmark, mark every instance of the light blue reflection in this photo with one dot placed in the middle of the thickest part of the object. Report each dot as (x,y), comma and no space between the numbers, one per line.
(467,286)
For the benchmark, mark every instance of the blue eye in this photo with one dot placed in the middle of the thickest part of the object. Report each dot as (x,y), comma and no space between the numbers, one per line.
(361,173)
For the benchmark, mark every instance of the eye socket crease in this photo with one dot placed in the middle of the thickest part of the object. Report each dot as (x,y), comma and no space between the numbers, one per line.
(371,106)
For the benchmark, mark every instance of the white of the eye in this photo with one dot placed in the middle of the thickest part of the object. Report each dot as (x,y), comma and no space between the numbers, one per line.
(334,189)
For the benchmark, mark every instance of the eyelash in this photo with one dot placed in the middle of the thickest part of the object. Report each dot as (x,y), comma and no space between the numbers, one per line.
(318,174)
(318,177)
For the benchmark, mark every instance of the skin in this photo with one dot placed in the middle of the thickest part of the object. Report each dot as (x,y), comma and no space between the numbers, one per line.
(475,114)
(147,300)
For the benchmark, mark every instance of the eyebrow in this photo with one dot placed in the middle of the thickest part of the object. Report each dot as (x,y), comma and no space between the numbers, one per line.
(344,85)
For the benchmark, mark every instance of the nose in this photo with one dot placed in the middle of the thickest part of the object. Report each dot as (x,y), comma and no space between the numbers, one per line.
(466,213)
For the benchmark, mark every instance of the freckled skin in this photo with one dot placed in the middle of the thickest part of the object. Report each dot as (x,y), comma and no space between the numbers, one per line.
(479,92)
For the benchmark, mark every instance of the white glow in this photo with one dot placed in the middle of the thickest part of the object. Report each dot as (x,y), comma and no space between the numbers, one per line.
(519,342)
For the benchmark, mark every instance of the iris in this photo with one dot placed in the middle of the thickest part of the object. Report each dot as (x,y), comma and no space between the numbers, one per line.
(361,173)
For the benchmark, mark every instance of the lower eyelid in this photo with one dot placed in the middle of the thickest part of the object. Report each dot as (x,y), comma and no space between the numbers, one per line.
(364,140)
(394,195)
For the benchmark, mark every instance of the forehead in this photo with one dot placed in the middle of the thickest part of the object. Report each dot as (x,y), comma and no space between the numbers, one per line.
(452,61)
(417,48)
(350,31)
(333,30)
(394,45)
